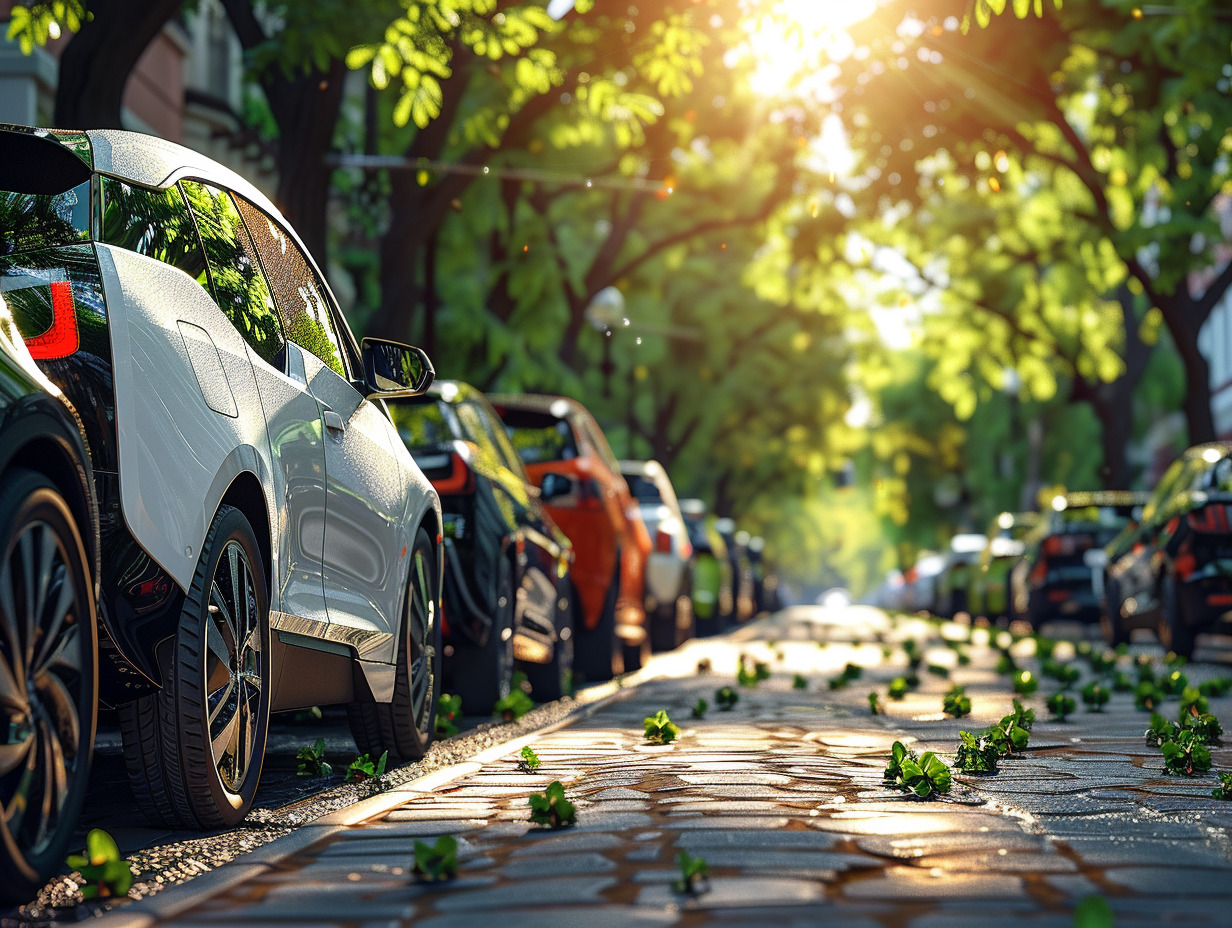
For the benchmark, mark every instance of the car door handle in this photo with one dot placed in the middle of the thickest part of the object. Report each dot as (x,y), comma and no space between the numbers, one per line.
(333,421)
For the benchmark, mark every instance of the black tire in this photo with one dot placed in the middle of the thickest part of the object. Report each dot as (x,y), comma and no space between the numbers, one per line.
(405,726)
(1110,624)
(554,679)
(635,656)
(41,553)
(202,771)
(1174,634)
(686,621)
(483,675)
(595,649)
(662,623)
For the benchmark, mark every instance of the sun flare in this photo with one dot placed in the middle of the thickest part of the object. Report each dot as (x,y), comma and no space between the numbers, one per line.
(791,39)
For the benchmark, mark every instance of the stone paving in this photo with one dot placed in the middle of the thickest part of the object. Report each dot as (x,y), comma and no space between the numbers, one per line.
(783,797)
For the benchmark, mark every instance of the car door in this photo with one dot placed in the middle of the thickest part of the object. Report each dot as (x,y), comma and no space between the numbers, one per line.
(364,545)
(293,420)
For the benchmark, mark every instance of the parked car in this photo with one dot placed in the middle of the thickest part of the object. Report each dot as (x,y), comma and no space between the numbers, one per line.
(669,601)
(1054,577)
(920,582)
(49,647)
(713,604)
(990,586)
(508,593)
(1172,571)
(954,582)
(267,541)
(569,459)
(742,592)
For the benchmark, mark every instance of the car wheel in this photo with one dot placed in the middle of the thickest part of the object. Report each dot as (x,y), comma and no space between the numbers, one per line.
(1110,616)
(662,621)
(595,648)
(555,678)
(686,622)
(635,656)
(405,726)
(213,711)
(482,675)
(1174,634)
(48,681)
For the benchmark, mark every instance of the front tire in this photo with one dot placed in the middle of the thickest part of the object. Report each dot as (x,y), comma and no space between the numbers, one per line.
(596,648)
(195,749)
(405,726)
(49,656)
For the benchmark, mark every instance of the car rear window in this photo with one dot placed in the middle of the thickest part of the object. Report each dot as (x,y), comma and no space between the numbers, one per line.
(44,194)
(539,436)
(643,489)
(424,422)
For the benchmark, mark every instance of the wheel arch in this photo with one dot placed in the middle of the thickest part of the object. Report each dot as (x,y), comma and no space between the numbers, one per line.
(246,494)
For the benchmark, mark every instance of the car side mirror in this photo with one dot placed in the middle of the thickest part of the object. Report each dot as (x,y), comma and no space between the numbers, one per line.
(393,369)
(554,486)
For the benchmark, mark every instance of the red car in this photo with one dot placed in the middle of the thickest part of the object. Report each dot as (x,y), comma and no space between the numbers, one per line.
(569,459)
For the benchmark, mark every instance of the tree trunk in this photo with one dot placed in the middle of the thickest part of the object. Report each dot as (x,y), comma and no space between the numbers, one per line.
(99,58)
(1197,404)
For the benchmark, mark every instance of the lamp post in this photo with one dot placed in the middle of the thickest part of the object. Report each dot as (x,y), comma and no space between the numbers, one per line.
(1011,384)
(605,311)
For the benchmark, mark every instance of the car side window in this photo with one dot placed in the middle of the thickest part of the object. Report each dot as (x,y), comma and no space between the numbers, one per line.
(240,288)
(154,223)
(301,299)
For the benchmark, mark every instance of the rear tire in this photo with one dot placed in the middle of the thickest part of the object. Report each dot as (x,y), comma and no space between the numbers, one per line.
(1174,634)
(405,726)
(595,648)
(195,748)
(483,675)
(555,678)
(48,721)
(1110,616)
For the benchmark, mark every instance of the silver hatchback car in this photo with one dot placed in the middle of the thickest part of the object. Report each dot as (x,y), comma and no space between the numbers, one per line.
(267,540)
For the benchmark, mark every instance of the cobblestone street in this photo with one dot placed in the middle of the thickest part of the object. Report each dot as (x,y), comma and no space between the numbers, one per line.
(783,797)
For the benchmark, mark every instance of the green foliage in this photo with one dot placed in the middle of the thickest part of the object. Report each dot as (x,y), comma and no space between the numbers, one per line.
(1093,912)
(1148,696)
(939,670)
(1224,789)
(726,698)
(898,688)
(514,706)
(1021,716)
(35,24)
(798,682)
(436,862)
(1009,735)
(1193,702)
(1205,726)
(1174,683)
(875,705)
(105,872)
(1005,664)
(694,871)
(660,729)
(307,716)
(1095,695)
(448,714)
(312,761)
(1186,755)
(976,754)
(1025,682)
(1103,662)
(363,767)
(1061,705)
(926,776)
(699,708)
(1161,730)
(1121,682)
(956,702)
(851,673)
(1219,686)
(551,808)
(528,760)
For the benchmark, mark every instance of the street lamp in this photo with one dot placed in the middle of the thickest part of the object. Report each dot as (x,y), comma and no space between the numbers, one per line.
(605,311)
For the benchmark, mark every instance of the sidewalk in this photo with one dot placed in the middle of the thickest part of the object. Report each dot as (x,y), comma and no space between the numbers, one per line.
(783,797)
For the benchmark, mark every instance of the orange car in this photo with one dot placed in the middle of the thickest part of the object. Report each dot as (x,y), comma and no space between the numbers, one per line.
(579,481)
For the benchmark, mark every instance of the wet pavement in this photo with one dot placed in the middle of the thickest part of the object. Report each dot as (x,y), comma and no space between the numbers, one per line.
(782,796)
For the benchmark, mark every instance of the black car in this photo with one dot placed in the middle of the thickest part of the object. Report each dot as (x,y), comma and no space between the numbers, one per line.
(1055,577)
(48,637)
(508,596)
(1173,571)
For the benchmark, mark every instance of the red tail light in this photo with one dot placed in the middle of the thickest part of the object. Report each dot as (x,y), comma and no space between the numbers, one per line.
(1054,546)
(1219,599)
(1210,520)
(461,478)
(1039,571)
(663,542)
(1058,596)
(1185,563)
(61,339)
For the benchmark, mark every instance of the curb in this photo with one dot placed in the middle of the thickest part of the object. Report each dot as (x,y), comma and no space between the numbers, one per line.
(175,900)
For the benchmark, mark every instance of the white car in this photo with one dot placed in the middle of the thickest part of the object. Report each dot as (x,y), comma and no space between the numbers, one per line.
(267,540)
(669,603)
